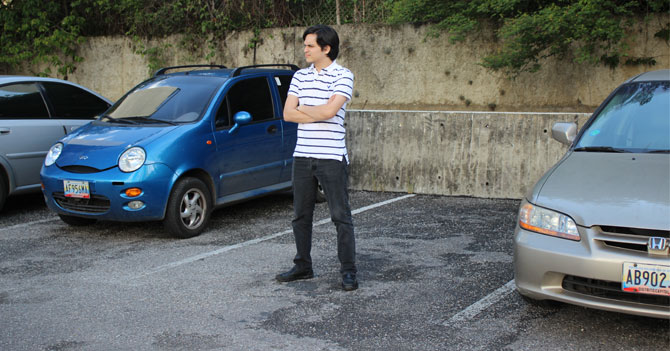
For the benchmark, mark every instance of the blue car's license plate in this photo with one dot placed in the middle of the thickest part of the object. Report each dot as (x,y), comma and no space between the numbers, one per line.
(76,188)
(646,278)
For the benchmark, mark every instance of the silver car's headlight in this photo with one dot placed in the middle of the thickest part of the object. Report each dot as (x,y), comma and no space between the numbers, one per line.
(544,221)
(53,154)
(132,159)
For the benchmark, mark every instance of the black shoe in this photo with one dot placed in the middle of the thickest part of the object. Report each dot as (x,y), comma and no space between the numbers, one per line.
(295,274)
(349,281)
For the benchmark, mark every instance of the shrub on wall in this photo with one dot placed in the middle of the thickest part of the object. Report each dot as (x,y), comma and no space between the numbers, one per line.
(591,31)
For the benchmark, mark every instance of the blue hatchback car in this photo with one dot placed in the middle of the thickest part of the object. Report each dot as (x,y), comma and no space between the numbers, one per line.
(176,146)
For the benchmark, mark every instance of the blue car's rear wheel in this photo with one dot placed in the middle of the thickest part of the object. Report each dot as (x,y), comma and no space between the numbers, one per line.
(188,209)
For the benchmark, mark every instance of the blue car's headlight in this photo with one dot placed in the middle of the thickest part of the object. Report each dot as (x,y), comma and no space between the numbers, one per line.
(132,159)
(53,154)
(542,220)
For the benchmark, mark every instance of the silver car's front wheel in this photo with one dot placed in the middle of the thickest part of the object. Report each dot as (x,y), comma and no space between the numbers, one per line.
(188,208)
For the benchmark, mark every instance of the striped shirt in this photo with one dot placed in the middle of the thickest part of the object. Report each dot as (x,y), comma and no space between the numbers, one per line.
(322,139)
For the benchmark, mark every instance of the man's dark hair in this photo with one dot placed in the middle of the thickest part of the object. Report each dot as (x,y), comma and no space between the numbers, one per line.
(325,36)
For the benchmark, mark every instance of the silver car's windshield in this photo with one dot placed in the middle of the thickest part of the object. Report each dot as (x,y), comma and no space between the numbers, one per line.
(176,99)
(636,119)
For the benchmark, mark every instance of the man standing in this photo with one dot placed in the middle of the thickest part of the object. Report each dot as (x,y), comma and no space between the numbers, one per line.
(317,100)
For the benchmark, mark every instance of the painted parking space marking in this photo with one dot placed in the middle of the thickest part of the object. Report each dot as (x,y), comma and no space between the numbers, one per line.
(482,304)
(28,224)
(258,240)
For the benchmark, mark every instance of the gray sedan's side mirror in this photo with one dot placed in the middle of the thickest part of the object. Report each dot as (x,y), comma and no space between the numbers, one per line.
(564,132)
(240,118)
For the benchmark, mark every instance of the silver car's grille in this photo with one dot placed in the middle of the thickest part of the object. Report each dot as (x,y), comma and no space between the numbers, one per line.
(610,290)
(96,204)
(80,169)
(636,231)
(627,238)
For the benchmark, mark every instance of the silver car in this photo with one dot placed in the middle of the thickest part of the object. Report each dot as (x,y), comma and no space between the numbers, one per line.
(34,113)
(594,230)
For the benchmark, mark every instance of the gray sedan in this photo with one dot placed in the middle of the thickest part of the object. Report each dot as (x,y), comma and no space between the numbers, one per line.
(34,113)
(594,230)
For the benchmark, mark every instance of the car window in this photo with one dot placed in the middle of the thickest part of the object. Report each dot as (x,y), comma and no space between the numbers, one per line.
(283,83)
(635,119)
(73,103)
(223,115)
(252,95)
(167,98)
(22,101)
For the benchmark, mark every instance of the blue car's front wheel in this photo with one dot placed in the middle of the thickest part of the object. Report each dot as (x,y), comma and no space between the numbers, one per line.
(188,209)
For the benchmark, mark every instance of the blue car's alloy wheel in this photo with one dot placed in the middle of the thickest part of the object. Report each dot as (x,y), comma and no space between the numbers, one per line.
(188,208)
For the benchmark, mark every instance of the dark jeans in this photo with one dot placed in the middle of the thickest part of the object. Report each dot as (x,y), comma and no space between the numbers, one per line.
(334,178)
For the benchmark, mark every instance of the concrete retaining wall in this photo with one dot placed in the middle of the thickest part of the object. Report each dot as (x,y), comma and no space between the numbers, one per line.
(480,154)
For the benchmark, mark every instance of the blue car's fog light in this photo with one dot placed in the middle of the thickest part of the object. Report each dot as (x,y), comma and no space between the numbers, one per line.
(136,205)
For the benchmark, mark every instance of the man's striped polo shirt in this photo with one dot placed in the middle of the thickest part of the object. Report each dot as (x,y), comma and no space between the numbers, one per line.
(322,139)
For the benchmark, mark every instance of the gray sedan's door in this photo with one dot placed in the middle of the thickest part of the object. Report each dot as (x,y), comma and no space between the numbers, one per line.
(26,133)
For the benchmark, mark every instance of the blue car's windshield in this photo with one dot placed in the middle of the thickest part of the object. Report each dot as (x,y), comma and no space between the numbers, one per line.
(636,119)
(168,99)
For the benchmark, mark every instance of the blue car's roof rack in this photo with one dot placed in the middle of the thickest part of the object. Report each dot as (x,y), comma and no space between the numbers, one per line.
(165,69)
(237,71)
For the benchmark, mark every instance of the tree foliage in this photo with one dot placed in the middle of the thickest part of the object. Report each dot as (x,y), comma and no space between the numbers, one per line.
(591,31)
(38,31)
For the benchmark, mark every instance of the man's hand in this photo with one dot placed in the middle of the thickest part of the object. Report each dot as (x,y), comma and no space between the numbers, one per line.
(308,114)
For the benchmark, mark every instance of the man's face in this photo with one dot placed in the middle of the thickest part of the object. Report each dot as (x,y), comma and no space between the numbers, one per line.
(313,52)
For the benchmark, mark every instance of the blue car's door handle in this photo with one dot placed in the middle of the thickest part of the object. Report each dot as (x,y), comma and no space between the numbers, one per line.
(272,129)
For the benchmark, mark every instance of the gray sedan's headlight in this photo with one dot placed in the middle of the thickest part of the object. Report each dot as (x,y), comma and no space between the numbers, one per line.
(53,154)
(132,159)
(544,221)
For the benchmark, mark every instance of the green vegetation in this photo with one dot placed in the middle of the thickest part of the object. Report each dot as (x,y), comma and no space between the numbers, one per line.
(593,31)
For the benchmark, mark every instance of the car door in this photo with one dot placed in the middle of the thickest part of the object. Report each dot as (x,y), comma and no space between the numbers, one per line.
(26,132)
(249,156)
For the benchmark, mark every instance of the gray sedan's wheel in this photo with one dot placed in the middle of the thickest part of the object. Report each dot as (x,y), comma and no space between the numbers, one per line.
(3,190)
(188,208)
(77,221)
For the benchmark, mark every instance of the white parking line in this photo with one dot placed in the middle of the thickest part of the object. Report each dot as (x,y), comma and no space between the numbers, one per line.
(258,240)
(27,224)
(482,304)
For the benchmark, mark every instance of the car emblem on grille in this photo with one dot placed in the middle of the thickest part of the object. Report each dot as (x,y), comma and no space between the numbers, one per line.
(658,246)
(83,157)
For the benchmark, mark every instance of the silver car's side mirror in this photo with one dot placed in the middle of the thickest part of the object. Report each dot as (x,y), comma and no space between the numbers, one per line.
(564,132)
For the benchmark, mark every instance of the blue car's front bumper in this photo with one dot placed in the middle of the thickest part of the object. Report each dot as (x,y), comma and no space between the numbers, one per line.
(108,200)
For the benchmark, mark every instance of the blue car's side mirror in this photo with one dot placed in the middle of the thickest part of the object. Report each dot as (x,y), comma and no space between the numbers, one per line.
(241,118)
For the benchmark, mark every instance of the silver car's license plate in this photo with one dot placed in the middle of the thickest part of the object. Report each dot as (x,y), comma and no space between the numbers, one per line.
(76,188)
(646,278)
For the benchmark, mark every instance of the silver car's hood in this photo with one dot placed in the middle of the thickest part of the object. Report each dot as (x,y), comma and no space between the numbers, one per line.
(615,189)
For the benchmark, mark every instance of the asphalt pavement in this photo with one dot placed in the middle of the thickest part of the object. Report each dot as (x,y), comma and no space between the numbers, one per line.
(435,273)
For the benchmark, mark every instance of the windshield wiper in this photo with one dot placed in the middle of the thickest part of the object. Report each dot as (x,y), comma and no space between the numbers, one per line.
(600,149)
(151,120)
(117,120)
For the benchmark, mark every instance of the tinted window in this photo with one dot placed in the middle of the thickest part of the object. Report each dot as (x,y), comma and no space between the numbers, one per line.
(283,83)
(636,119)
(72,102)
(252,95)
(22,101)
(223,115)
